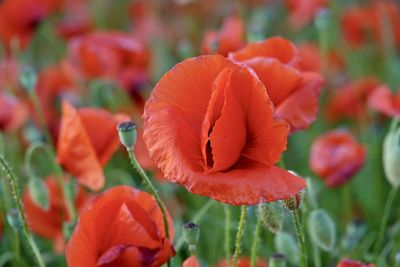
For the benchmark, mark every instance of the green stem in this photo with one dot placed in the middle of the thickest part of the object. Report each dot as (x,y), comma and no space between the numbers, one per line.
(256,240)
(239,235)
(227,233)
(385,218)
(316,255)
(11,178)
(300,237)
(135,164)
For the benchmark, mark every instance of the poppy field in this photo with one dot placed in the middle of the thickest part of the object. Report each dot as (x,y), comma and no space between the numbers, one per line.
(244,133)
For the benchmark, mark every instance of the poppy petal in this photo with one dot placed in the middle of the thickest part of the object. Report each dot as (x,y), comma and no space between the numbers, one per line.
(381,99)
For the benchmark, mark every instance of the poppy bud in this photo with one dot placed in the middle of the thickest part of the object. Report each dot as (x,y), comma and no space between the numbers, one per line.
(191,234)
(271,215)
(322,229)
(354,233)
(13,219)
(277,260)
(285,244)
(294,202)
(397,259)
(127,134)
(391,155)
(39,193)
(28,78)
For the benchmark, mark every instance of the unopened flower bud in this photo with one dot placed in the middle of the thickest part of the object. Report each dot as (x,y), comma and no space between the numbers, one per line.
(127,134)
(355,231)
(391,155)
(28,78)
(277,260)
(13,219)
(322,229)
(286,245)
(39,193)
(191,234)
(271,215)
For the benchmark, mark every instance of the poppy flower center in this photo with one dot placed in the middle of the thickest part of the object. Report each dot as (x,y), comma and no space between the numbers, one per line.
(223,134)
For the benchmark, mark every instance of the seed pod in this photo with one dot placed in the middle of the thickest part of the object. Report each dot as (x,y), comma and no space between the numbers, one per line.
(391,155)
(39,193)
(127,134)
(286,245)
(271,215)
(322,229)
(191,234)
(277,260)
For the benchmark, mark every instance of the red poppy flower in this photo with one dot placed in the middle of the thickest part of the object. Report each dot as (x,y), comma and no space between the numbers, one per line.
(293,92)
(243,262)
(86,142)
(311,60)
(336,157)
(360,24)
(301,12)
(75,20)
(230,38)
(13,112)
(121,227)
(49,223)
(20,23)
(383,101)
(191,262)
(209,126)
(351,263)
(107,55)
(350,101)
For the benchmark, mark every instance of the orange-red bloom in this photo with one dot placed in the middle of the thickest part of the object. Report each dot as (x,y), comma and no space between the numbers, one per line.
(191,262)
(209,125)
(243,262)
(294,92)
(303,11)
(361,24)
(230,38)
(13,112)
(383,101)
(86,142)
(350,101)
(120,228)
(336,157)
(49,223)
(351,263)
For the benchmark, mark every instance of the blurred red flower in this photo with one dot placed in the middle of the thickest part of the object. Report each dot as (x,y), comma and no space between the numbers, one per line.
(336,157)
(229,38)
(13,112)
(351,263)
(301,12)
(350,101)
(191,262)
(87,140)
(361,24)
(243,262)
(383,101)
(293,92)
(19,19)
(49,223)
(121,227)
(210,126)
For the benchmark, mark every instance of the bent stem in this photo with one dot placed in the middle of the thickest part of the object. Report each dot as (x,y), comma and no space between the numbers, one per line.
(227,233)
(11,178)
(385,218)
(254,246)
(239,235)
(300,237)
(135,164)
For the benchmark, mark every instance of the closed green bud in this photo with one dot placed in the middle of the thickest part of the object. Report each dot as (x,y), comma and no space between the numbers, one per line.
(28,78)
(13,219)
(391,155)
(271,215)
(287,245)
(322,229)
(354,233)
(39,193)
(127,134)
(191,234)
(277,260)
